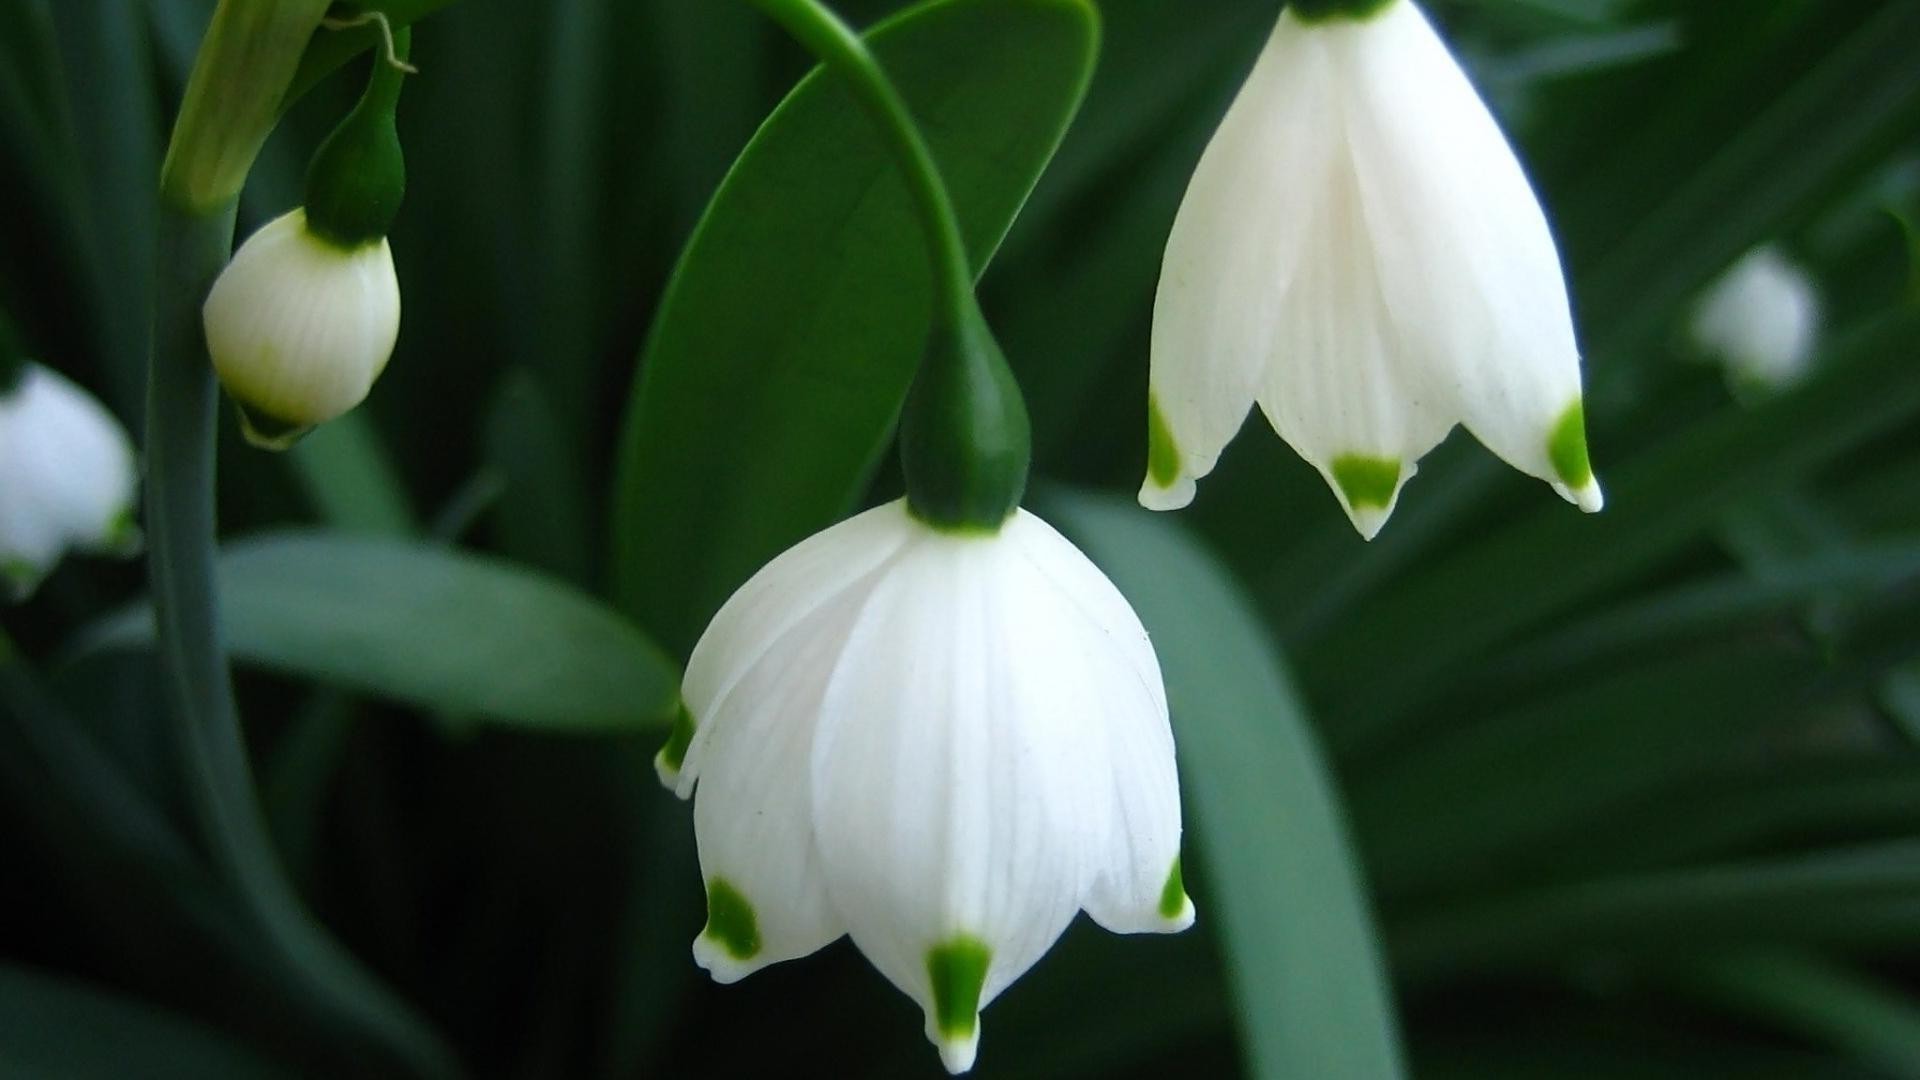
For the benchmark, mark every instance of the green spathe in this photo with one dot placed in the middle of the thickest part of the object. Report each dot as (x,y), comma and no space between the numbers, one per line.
(958,970)
(1312,11)
(1567,447)
(730,921)
(1369,483)
(359,175)
(965,441)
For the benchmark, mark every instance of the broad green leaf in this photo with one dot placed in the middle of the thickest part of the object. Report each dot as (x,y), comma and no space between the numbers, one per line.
(796,318)
(1293,917)
(57,1029)
(457,633)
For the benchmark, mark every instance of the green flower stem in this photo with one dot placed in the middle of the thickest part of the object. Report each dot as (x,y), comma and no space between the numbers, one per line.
(182,418)
(841,50)
(966,444)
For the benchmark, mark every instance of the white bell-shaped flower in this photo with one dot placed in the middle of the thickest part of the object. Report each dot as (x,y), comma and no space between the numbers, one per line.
(1761,319)
(943,744)
(67,478)
(299,327)
(1361,254)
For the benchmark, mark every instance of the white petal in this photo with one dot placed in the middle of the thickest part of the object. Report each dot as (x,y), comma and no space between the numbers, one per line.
(767,900)
(1761,318)
(1465,259)
(1097,647)
(67,474)
(794,586)
(1229,260)
(1338,387)
(299,328)
(951,810)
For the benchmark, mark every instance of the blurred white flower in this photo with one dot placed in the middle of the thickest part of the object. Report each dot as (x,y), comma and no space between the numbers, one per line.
(299,327)
(1761,319)
(67,478)
(944,744)
(1361,254)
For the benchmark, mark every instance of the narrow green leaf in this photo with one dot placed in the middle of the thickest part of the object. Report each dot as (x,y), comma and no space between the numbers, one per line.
(1807,996)
(56,1029)
(1659,502)
(1859,897)
(796,318)
(1294,920)
(432,627)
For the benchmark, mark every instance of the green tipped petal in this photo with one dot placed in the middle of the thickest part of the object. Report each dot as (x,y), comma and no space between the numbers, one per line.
(959,973)
(1163,455)
(730,921)
(1369,483)
(1567,448)
(1173,896)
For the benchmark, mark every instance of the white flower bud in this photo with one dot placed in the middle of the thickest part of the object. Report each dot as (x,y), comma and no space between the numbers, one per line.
(1761,319)
(1361,254)
(299,327)
(942,744)
(67,478)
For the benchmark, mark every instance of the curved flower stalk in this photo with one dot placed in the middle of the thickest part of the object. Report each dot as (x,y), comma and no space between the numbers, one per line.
(944,744)
(1361,254)
(67,477)
(1761,319)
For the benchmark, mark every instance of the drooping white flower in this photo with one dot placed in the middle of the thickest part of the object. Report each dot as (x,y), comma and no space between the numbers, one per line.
(944,744)
(1361,254)
(1761,318)
(299,327)
(67,478)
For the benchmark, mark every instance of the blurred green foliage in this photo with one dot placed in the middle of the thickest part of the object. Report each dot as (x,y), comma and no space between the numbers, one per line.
(1628,796)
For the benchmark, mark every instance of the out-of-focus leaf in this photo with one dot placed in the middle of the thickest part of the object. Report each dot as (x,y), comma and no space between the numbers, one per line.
(1471,795)
(797,316)
(539,517)
(459,633)
(1660,501)
(55,1029)
(1862,897)
(1807,996)
(1295,924)
(351,480)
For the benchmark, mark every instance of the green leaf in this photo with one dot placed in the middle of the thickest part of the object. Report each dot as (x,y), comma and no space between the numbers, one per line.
(796,318)
(432,627)
(1293,913)
(1861,897)
(350,479)
(1658,503)
(57,1029)
(1811,997)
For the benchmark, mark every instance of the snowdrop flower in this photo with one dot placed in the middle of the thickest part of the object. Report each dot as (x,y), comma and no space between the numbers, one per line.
(299,326)
(942,743)
(1760,319)
(1361,254)
(305,317)
(67,477)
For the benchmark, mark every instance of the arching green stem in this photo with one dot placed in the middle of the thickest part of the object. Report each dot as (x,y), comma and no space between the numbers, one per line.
(965,440)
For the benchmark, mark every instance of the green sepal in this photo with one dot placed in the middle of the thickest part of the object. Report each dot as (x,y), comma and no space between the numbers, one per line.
(358,177)
(1310,11)
(965,441)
